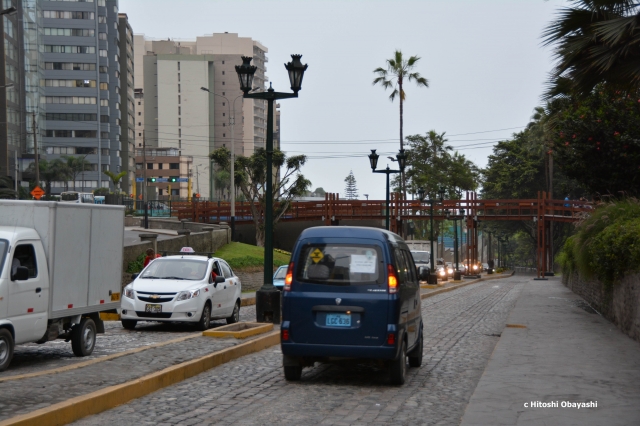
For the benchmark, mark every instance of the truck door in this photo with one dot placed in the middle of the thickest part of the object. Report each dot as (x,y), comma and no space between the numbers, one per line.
(29,300)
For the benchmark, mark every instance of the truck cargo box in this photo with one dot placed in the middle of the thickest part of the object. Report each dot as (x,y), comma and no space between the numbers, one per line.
(83,244)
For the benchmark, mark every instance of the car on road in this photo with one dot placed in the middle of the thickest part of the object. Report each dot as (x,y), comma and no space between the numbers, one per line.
(278,277)
(423,263)
(351,293)
(189,288)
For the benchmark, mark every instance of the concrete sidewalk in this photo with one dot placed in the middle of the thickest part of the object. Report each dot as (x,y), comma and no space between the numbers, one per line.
(566,354)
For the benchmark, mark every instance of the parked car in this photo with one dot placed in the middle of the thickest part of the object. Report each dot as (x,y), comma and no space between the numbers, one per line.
(182,288)
(278,277)
(351,292)
(485,267)
(422,261)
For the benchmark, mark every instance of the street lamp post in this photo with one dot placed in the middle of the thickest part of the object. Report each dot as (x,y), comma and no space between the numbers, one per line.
(373,160)
(268,297)
(433,278)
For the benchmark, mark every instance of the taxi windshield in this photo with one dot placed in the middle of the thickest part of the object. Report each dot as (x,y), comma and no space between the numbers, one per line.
(281,273)
(176,269)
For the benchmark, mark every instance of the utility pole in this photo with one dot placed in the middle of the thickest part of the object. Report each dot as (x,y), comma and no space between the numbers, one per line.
(35,148)
(144,184)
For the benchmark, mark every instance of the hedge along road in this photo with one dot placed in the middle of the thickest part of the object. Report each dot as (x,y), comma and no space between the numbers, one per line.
(461,329)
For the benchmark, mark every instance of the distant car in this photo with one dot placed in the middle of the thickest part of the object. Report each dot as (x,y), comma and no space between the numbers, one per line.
(450,269)
(423,263)
(278,277)
(485,266)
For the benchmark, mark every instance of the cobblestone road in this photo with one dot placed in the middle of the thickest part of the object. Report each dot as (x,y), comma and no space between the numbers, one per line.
(31,358)
(461,330)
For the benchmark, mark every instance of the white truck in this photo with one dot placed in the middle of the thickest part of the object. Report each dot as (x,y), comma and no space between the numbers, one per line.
(60,266)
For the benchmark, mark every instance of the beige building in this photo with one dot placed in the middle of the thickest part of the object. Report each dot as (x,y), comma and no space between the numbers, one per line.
(176,113)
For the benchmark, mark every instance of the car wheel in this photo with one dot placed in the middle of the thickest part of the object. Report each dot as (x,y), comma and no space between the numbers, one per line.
(235,316)
(415,356)
(6,348)
(83,337)
(205,319)
(292,372)
(399,366)
(129,324)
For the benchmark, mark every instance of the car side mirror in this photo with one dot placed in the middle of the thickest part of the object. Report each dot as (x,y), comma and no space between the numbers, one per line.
(22,274)
(219,279)
(134,276)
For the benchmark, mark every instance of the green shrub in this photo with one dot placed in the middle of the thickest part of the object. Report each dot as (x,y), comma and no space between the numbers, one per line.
(606,244)
(136,265)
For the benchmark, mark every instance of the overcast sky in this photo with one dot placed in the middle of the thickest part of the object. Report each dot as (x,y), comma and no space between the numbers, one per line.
(483,59)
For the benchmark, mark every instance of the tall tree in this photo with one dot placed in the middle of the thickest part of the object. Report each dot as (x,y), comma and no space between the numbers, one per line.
(350,189)
(76,165)
(393,77)
(596,41)
(115,178)
(250,177)
(6,190)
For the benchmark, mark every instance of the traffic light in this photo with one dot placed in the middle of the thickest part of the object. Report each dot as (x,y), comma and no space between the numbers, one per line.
(151,179)
(173,179)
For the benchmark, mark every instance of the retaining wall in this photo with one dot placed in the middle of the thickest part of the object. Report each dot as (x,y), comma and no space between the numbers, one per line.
(620,305)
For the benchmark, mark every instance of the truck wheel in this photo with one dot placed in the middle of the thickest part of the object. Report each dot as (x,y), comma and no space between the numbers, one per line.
(292,372)
(399,366)
(205,319)
(83,337)
(415,356)
(235,316)
(129,324)
(6,348)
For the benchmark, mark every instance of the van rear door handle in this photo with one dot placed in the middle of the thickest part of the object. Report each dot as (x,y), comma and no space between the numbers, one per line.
(38,290)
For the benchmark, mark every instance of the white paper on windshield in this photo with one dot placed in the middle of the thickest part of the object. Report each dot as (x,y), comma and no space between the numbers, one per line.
(364,264)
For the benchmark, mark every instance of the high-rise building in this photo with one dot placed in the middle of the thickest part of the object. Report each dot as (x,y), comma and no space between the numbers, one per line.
(178,114)
(127,106)
(81,84)
(20,97)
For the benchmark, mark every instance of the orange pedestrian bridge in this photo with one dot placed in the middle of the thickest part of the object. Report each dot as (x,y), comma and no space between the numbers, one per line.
(541,210)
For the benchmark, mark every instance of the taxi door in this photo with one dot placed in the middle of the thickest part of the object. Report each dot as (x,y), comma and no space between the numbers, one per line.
(217,291)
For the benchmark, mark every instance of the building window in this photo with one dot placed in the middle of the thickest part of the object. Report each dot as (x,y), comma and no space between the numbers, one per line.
(222,113)
(104,102)
(78,100)
(179,99)
(223,83)
(139,103)
(179,110)
(174,166)
(222,93)
(159,166)
(223,104)
(178,66)
(179,121)
(58,14)
(224,135)
(139,134)
(68,83)
(103,53)
(222,62)
(180,133)
(178,76)
(102,36)
(178,88)
(68,32)
(68,49)
(103,69)
(139,113)
(104,86)
(149,166)
(222,72)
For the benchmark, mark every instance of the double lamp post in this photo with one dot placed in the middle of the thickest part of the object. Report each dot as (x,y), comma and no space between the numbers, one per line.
(401,158)
(268,297)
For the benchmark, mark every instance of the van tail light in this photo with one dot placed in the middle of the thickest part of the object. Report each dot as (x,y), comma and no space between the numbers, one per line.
(391,339)
(285,335)
(288,279)
(392,280)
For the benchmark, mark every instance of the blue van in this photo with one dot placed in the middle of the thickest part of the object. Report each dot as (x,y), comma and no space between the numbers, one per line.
(351,292)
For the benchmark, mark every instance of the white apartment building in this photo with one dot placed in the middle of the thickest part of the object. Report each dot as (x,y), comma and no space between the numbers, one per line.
(176,113)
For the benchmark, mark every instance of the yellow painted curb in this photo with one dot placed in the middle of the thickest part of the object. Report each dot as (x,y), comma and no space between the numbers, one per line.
(112,396)
(227,330)
(104,316)
(248,301)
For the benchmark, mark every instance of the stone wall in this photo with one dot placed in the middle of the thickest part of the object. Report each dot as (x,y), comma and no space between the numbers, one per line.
(251,281)
(621,305)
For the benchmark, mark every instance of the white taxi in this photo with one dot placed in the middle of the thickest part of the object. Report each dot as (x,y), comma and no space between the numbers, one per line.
(182,288)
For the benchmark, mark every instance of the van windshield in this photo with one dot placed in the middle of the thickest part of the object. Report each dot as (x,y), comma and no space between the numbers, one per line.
(3,253)
(340,264)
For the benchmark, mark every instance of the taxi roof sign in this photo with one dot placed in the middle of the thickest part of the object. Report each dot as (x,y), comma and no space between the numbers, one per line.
(187,250)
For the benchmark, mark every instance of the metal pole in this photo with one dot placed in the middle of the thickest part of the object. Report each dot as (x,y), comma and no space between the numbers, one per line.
(144,176)
(455,242)
(35,149)
(433,265)
(268,214)
(232,186)
(387,215)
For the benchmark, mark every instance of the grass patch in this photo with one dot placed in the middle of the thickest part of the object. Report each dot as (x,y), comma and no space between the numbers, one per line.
(248,258)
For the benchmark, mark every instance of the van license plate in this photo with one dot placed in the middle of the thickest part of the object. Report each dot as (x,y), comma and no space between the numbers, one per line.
(154,309)
(339,320)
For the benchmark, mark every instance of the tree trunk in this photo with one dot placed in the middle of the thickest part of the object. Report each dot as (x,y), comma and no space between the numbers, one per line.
(260,235)
(403,186)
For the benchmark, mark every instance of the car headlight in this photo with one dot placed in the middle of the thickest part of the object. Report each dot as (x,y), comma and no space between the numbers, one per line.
(442,272)
(189,294)
(475,267)
(451,270)
(128,292)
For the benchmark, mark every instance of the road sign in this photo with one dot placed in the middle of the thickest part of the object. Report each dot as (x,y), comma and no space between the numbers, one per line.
(37,192)
(139,179)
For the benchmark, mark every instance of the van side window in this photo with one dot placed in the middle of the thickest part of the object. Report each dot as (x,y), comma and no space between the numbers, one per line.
(26,255)
(412,274)
(401,267)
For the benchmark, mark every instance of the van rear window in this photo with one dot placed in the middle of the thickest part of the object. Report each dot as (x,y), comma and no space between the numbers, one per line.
(340,264)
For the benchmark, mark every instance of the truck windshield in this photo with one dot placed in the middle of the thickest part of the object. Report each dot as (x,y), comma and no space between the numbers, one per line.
(176,269)
(3,253)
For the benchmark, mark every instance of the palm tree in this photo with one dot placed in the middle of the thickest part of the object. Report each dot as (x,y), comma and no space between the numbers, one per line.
(50,171)
(115,178)
(5,187)
(76,166)
(596,42)
(399,69)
